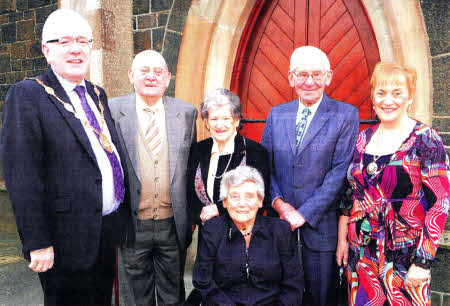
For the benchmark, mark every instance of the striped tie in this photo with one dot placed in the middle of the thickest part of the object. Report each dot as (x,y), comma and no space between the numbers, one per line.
(301,126)
(152,136)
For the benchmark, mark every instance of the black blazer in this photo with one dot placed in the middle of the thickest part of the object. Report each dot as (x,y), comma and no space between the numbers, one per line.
(52,176)
(257,157)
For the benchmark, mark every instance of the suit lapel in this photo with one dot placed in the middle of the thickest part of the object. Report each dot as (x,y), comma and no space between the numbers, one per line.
(128,128)
(205,159)
(320,118)
(174,129)
(291,125)
(50,80)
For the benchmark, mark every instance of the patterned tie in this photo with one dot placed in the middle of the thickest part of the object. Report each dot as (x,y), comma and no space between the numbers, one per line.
(152,135)
(301,125)
(119,188)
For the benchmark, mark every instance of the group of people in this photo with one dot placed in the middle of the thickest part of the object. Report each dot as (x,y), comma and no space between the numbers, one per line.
(274,219)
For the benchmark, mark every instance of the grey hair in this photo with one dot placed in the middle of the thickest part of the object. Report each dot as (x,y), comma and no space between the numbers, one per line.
(239,176)
(220,97)
(53,28)
(309,52)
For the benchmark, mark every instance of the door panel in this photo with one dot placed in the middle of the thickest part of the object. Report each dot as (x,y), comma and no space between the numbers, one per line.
(275,28)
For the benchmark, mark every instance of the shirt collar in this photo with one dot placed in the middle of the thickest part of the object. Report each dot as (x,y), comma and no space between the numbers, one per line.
(140,105)
(67,85)
(258,227)
(313,108)
(229,146)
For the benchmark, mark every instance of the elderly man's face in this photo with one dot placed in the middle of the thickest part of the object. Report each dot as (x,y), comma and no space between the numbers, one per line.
(242,203)
(150,76)
(70,55)
(309,79)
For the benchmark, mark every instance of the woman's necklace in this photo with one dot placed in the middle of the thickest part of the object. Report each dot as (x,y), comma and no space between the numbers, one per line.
(373,167)
(226,168)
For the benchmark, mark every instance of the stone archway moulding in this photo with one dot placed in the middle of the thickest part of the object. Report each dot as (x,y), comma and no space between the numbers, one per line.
(213,30)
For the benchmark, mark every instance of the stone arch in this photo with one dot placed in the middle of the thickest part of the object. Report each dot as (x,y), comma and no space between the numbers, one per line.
(213,30)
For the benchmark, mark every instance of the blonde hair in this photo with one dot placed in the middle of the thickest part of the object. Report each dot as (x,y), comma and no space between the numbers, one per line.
(393,73)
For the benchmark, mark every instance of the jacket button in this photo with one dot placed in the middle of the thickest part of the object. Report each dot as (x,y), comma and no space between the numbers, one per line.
(138,191)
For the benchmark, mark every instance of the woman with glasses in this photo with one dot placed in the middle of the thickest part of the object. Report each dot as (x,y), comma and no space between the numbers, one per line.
(398,199)
(245,258)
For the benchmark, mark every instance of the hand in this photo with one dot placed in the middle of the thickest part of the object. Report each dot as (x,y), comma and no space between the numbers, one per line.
(342,246)
(42,259)
(282,207)
(208,212)
(342,252)
(294,218)
(416,276)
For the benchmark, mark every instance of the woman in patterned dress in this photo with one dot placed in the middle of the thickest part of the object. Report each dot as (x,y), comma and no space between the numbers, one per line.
(397,202)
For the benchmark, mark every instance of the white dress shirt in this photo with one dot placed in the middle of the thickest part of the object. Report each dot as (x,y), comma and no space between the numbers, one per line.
(214,162)
(110,203)
(144,118)
(313,110)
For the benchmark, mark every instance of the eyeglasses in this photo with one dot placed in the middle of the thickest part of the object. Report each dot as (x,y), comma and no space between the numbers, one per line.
(302,76)
(68,41)
(158,72)
(249,198)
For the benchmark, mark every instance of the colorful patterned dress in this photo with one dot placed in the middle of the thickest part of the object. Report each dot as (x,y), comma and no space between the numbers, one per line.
(397,216)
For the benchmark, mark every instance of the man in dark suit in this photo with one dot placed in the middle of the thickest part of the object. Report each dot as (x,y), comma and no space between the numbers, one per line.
(157,132)
(62,166)
(310,142)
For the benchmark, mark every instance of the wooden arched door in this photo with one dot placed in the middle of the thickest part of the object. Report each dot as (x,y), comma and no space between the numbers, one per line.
(341,28)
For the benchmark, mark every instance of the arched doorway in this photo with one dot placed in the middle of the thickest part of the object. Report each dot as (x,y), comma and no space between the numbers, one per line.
(275,28)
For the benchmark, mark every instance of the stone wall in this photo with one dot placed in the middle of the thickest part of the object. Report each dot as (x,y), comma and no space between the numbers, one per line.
(20,40)
(158,25)
(435,13)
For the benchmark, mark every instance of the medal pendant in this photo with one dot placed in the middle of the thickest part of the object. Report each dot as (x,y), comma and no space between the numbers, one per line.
(105,142)
(372,168)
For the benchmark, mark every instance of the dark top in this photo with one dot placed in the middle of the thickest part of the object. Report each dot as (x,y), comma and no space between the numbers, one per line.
(273,275)
(256,156)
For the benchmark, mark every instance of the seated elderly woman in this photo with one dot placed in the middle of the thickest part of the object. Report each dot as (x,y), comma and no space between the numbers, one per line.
(245,258)
(226,149)
(398,199)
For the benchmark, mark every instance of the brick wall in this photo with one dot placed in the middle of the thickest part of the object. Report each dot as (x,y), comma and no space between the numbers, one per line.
(158,25)
(20,40)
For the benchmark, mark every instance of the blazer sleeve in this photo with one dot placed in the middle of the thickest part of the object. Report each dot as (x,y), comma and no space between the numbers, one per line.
(194,204)
(266,141)
(324,196)
(203,273)
(23,161)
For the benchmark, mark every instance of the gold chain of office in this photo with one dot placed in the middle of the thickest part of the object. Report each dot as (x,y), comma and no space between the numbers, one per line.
(104,141)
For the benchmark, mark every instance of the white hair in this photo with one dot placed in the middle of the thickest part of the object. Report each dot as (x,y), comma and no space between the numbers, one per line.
(65,22)
(239,176)
(308,52)
(145,56)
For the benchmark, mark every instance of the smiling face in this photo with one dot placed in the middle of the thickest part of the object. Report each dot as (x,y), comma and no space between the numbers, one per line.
(150,76)
(309,61)
(242,203)
(391,101)
(69,58)
(221,123)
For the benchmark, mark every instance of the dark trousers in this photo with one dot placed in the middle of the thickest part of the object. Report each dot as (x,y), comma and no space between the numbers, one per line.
(319,268)
(86,287)
(154,264)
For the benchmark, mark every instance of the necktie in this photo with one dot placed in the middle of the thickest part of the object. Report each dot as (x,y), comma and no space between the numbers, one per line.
(301,125)
(152,134)
(119,188)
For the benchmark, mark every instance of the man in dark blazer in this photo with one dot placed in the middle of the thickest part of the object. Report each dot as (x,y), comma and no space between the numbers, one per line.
(310,142)
(62,166)
(157,132)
